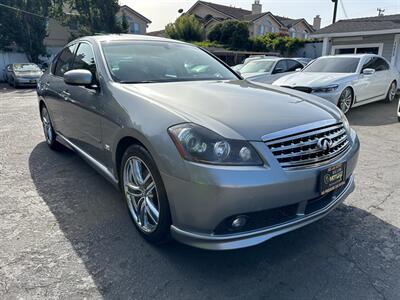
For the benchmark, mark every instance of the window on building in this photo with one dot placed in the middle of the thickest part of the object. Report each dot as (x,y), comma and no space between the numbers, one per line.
(358,49)
(261,29)
(305,35)
(134,28)
(293,33)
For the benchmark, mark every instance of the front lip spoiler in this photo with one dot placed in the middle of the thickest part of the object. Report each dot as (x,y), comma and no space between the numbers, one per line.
(236,241)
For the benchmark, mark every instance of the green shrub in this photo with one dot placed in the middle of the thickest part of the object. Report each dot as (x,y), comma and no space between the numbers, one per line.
(185,28)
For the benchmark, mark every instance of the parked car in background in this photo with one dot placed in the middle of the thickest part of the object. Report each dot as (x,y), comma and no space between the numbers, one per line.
(24,74)
(303,60)
(237,67)
(199,154)
(398,111)
(267,70)
(346,80)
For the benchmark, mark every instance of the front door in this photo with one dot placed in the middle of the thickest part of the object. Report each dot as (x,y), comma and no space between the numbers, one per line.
(83,107)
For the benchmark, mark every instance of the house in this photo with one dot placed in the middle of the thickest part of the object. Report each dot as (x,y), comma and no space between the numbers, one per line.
(137,23)
(379,35)
(59,35)
(260,22)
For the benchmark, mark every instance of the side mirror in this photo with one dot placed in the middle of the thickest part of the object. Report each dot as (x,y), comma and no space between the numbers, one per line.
(368,71)
(298,69)
(78,77)
(278,70)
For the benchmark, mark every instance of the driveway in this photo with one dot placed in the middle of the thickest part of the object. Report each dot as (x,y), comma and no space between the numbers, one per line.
(65,233)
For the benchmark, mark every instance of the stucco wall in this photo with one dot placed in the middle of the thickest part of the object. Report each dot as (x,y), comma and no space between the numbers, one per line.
(268,23)
(133,18)
(300,28)
(202,11)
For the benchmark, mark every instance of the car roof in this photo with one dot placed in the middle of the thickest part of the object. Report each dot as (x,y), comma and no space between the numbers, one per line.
(351,55)
(124,37)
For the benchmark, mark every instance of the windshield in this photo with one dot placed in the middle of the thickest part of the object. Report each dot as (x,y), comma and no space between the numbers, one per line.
(25,67)
(258,66)
(333,65)
(145,62)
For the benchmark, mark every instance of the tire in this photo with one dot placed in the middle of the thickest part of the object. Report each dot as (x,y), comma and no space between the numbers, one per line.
(147,203)
(391,94)
(15,84)
(346,100)
(48,131)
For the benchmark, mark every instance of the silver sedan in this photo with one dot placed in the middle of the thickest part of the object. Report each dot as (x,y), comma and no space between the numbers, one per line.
(199,154)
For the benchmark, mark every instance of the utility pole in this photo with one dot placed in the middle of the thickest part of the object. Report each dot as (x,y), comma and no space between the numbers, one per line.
(335,10)
(380,12)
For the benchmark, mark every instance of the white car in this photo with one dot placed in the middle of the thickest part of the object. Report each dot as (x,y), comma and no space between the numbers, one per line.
(398,111)
(267,70)
(346,80)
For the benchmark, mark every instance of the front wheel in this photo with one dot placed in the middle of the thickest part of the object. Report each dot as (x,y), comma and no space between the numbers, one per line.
(145,194)
(48,130)
(391,94)
(346,100)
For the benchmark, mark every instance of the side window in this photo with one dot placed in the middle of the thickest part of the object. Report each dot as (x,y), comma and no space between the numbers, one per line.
(381,65)
(294,65)
(84,58)
(281,67)
(65,61)
(376,63)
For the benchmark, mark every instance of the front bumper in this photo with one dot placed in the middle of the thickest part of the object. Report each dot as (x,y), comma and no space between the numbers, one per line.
(331,97)
(213,194)
(27,81)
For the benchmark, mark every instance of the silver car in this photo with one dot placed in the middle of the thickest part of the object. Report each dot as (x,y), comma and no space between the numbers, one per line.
(267,70)
(346,80)
(199,154)
(23,74)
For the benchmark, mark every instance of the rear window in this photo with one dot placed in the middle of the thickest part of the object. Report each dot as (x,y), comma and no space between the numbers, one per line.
(333,65)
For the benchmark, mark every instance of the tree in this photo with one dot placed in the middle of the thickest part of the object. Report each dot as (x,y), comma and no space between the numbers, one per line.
(25,26)
(124,24)
(185,28)
(214,35)
(233,34)
(96,16)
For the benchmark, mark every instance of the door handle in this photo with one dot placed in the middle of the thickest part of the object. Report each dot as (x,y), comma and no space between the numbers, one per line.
(65,95)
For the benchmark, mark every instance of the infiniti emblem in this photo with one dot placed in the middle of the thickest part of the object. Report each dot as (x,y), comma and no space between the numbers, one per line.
(324,144)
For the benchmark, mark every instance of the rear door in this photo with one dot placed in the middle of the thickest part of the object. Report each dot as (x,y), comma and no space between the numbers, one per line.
(53,86)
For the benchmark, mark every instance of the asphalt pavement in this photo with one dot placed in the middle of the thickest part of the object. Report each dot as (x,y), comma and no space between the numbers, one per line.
(65,232)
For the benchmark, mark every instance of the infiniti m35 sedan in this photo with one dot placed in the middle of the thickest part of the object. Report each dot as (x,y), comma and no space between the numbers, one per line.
(199,154)
(346,80)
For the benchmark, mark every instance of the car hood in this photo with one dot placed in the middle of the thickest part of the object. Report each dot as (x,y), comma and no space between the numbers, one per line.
(313,80)
(237,109)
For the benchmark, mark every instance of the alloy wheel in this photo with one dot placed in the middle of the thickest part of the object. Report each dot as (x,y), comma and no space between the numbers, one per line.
(47,128)
(392,91)
(345,100)
(141,194)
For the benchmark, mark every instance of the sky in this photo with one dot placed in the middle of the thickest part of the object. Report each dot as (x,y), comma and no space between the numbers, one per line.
(162,12)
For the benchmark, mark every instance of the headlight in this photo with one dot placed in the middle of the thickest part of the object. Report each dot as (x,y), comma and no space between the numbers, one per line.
(326,89)
(345,122)
(199,144)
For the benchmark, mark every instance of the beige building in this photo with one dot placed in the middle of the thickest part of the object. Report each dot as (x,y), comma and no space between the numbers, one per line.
(58,35)
(260,22)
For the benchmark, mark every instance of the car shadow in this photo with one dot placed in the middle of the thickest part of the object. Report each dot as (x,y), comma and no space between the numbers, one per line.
(345,249)
(374,114)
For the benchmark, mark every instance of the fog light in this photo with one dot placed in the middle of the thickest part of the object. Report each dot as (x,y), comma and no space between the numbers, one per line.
(239,222)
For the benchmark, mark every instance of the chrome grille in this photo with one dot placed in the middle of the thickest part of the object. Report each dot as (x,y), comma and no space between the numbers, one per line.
(302,149)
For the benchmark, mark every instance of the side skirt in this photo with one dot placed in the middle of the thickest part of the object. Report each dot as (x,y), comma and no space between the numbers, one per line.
(99,167)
